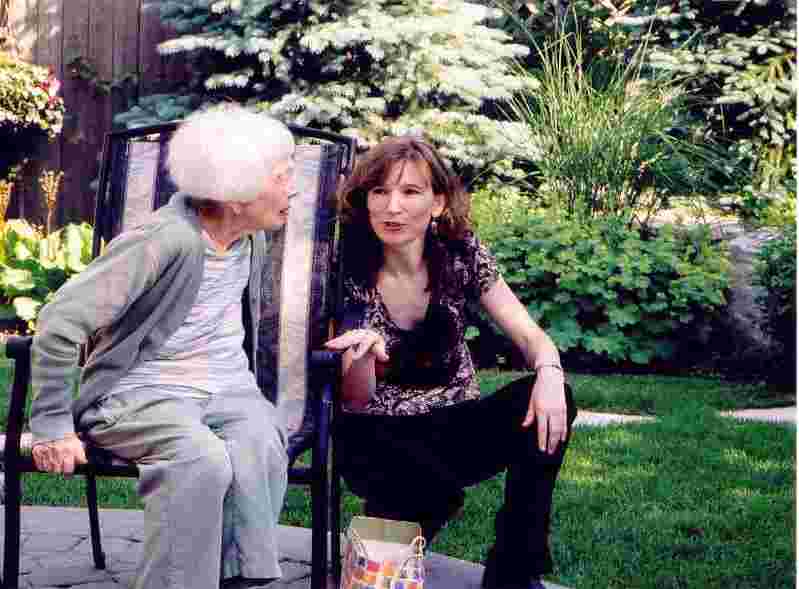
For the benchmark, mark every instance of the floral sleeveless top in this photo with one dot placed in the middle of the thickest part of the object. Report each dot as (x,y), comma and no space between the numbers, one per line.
(430,365)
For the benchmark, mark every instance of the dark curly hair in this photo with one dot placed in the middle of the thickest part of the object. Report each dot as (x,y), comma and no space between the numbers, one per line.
(362,249)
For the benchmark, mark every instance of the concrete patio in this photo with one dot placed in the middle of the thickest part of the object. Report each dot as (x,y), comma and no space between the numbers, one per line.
(56,553)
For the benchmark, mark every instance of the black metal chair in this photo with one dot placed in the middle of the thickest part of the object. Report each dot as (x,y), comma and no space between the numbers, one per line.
(133,182)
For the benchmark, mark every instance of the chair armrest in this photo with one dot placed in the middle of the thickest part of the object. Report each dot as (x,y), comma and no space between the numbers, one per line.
(325,372)
(325,360)
(18,348)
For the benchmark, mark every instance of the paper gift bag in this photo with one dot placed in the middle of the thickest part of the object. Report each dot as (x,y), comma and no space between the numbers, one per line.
(383,554)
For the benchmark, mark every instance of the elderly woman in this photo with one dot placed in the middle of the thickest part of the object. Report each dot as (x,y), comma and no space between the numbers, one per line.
(415,432)
(171,310)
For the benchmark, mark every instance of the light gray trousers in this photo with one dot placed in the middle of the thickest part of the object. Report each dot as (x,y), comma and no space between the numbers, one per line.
(213,475)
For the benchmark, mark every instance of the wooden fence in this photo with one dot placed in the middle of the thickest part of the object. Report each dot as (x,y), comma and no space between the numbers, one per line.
(116,38)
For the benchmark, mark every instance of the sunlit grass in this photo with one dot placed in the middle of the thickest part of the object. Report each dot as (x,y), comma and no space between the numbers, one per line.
(656,394)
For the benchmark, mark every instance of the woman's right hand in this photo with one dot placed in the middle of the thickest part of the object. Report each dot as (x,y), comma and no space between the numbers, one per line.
(361,342)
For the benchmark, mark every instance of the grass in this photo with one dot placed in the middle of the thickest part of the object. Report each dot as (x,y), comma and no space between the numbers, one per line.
(690,500)
(655,394)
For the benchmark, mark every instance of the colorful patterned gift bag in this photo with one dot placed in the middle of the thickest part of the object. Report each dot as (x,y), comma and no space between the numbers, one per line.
(383,554)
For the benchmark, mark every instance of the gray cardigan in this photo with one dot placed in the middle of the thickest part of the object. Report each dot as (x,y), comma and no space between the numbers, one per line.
(127,302)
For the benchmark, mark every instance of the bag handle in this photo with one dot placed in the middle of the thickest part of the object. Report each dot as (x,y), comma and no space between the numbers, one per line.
(355,538)
(418,544)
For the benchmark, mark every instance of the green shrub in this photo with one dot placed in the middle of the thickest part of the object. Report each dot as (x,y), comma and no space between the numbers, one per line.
(608,290)
(775,272)
(769,209)
(495,204)
(33,267)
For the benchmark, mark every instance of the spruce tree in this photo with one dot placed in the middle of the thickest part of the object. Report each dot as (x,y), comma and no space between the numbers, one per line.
(368,68)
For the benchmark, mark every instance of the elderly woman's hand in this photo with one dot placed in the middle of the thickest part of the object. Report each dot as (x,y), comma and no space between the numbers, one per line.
(60,456)
(548,406)
(361,341)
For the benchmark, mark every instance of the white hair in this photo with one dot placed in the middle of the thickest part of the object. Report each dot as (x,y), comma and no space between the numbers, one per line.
(227,153)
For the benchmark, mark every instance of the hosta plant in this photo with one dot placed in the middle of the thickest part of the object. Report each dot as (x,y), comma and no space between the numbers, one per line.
(33,266)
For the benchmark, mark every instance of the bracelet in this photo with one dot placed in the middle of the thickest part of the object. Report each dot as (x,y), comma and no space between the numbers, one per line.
(545,364)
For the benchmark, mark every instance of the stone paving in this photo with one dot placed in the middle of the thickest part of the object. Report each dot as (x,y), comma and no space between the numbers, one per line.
(56,550)
(778,415)
(56,553)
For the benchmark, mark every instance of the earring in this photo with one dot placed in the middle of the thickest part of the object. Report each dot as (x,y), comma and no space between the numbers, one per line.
(434,226)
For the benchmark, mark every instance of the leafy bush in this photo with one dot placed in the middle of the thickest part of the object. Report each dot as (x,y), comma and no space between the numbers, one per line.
(770,209)
(775,272)
(608,290)
(498,203)
(33,266)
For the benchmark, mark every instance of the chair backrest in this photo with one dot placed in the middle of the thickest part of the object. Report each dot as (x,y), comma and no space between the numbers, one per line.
(298,295)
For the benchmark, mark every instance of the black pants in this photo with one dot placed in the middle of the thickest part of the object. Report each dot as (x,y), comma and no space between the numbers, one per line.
(415,468)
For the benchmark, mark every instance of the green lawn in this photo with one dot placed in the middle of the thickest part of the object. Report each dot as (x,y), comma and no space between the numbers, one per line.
(691,500)
(655,394)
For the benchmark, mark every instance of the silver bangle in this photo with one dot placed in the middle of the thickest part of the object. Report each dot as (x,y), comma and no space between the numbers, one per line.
(538,367)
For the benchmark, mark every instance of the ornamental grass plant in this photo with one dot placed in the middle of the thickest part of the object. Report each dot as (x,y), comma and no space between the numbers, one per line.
(613,139)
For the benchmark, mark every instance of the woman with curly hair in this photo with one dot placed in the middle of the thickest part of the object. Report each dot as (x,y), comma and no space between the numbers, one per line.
(414,431)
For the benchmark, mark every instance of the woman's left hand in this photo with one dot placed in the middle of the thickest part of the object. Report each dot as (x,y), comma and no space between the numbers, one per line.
(548,409)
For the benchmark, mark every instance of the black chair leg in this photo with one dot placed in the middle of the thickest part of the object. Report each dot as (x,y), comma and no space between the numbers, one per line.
(94,521)
(335,522)
(335,515)
(319,523)
(13,500)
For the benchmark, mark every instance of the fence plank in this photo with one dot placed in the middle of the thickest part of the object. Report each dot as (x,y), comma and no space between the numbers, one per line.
(50,35)
(151,33)
(95,120)
(49,52)
(126,52)
(22,19)
(101,54)
(78,154)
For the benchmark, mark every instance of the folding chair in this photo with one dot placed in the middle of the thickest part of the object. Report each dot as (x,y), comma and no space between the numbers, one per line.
(297,306)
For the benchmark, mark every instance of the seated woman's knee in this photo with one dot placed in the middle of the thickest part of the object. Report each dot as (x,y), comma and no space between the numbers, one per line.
(207,460)
(261,430)
(269,440)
